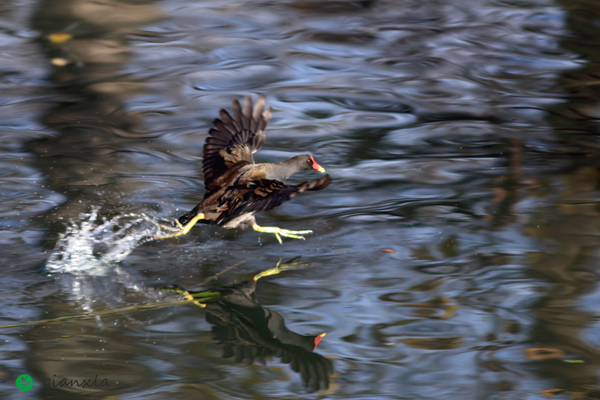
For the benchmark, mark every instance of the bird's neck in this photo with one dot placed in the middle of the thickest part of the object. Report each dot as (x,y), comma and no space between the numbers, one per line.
(283,170)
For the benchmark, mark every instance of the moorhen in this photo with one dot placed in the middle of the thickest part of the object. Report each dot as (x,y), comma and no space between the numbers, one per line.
(236,187)
(251,332)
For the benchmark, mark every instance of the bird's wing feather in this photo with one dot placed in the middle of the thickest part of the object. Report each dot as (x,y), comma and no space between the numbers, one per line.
(234,138)
(266,194)
(245,343)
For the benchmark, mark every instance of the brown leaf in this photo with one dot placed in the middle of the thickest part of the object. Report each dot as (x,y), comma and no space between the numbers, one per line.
(551,392)
(543,353)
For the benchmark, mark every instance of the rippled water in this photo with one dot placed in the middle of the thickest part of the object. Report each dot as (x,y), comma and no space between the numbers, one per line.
(454,256)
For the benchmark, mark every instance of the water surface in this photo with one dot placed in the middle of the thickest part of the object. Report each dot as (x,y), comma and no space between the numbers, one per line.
(454,256)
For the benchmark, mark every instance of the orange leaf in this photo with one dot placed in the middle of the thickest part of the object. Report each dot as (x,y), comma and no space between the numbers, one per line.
(388,251)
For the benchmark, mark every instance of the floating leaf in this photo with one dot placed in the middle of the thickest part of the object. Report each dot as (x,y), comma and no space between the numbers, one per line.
(59,62)
(59,37)
(543,353)
(551,392)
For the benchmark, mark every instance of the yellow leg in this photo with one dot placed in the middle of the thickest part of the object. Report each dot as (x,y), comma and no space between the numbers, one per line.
(279,231)
(179,229)
(279,268)
(185,294)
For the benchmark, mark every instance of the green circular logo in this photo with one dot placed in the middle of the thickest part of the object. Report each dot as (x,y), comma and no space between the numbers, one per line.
(24,382)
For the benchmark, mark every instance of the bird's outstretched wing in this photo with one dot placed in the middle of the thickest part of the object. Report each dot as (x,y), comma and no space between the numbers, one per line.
(265,194)
(234,139)
(246,342)
(316,371)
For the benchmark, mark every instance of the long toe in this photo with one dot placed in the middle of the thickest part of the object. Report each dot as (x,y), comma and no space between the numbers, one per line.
(295,232)
(171,231)
(181,229)
(168,228)
(281,232)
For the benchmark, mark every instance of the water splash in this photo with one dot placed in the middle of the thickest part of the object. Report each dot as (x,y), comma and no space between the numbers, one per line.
(94,244)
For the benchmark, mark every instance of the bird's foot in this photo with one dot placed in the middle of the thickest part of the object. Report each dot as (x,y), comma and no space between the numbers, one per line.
(280,232)
(184,292)
(174,289)
(178,230)
(280,268)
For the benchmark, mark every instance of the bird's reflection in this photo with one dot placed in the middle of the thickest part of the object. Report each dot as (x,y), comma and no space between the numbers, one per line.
(250,332)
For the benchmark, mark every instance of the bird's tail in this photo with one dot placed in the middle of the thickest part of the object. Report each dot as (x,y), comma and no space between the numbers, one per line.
(316,184)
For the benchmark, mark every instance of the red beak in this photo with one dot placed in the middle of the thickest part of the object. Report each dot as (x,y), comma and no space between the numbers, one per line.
(317,166)
(318,340)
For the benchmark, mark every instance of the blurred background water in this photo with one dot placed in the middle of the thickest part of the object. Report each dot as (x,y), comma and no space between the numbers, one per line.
(454,256)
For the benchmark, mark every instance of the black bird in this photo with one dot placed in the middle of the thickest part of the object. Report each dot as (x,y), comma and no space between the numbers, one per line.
(236,187)
(251,332)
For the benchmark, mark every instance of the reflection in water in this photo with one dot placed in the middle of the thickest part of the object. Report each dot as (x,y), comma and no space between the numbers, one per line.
(90,129)
(461,135)
(250,332)
(572,226)
(569,262)
(90,124)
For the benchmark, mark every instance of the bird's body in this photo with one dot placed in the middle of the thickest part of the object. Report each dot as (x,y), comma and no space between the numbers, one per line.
(239,305)
(251,332)
(236,187)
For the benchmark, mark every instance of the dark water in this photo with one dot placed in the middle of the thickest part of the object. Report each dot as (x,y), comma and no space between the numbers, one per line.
(455,255)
